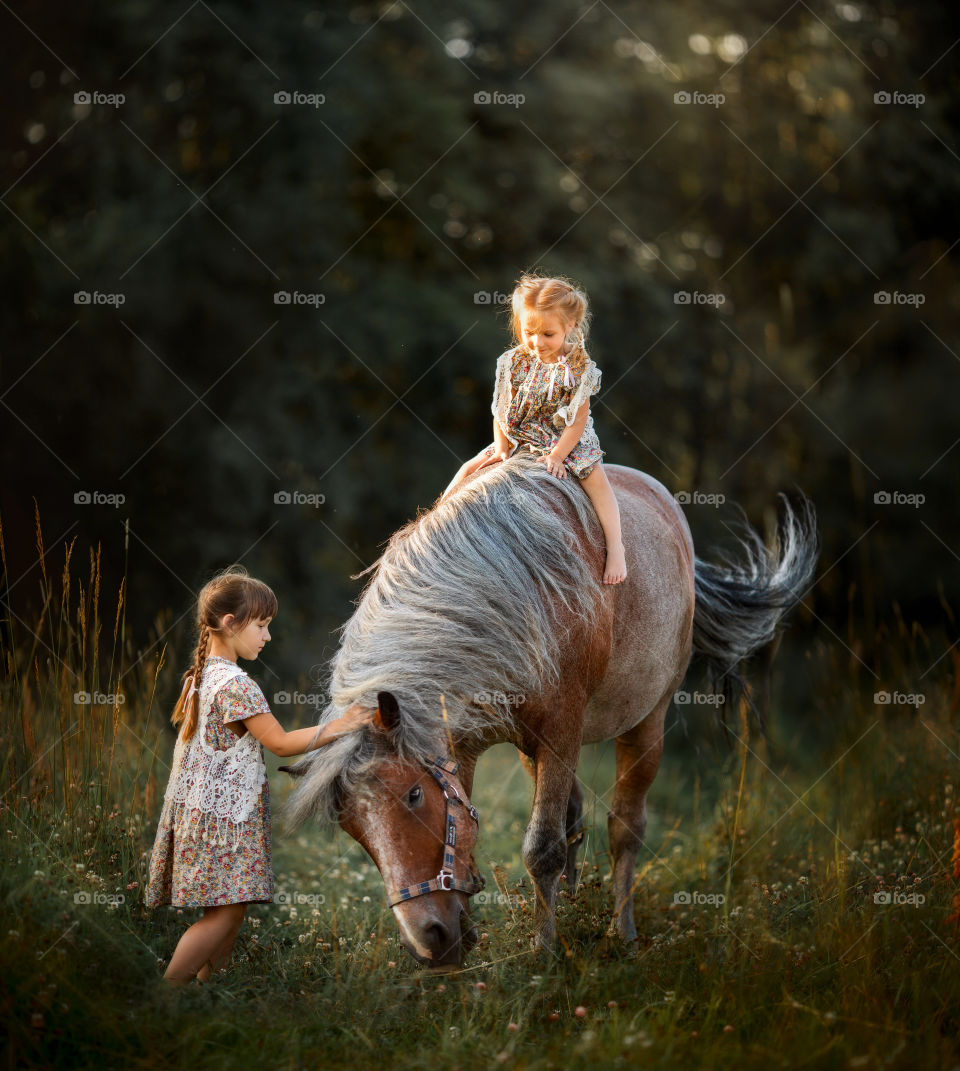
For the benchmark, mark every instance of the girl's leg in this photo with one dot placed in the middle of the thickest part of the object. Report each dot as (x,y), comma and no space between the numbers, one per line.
(465,469)
(604,502)
(200,949)
(221,957)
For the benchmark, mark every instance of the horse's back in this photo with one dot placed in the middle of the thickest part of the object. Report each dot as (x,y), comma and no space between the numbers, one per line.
(652,618)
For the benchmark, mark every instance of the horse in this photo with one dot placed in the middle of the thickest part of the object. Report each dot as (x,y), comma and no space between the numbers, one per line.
(485,620)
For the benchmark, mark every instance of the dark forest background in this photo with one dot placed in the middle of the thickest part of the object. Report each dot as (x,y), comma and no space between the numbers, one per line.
(824,175)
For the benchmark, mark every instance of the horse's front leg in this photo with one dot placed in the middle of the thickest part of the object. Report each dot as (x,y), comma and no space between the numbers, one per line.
(574,823)
(545,841)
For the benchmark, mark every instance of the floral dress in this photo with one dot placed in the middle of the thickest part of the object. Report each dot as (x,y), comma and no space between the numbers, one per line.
(213,841)
(534,402)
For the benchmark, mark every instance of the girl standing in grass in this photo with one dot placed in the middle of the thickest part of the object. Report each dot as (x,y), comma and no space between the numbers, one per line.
(212,848)
(541,400)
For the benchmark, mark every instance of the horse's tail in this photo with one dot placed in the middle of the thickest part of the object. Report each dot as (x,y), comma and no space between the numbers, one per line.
(739,605)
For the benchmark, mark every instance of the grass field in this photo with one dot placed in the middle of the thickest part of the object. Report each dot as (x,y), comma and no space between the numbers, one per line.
(797,903)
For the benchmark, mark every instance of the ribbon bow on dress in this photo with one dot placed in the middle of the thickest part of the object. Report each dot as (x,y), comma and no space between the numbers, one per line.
(568,380)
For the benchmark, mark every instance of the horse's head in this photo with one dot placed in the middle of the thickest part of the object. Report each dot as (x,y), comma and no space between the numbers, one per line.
(406,815)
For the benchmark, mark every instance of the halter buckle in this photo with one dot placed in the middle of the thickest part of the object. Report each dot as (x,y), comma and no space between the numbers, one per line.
(445,880)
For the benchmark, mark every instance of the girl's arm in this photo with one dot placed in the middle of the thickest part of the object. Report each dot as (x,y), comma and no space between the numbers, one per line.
(275,738)
(571,435)
(501,444)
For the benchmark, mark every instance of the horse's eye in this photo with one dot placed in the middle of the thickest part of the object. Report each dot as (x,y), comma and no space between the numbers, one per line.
(415,795)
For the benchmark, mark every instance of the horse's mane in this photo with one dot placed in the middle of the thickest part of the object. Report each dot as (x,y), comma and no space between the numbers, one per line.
(468,602)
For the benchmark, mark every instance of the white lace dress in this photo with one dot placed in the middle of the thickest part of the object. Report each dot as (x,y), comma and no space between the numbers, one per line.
(213,841)
(535,402)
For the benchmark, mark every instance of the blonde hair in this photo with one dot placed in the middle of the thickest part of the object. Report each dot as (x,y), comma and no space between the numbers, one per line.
(235,592)
(559,296)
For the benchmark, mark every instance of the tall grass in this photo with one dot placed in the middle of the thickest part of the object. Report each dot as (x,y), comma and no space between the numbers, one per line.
(766,938)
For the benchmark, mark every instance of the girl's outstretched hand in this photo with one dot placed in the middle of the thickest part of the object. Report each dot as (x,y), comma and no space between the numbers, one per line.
(354,718)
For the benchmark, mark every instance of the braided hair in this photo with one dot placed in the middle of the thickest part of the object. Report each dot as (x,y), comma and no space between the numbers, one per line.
(235,592)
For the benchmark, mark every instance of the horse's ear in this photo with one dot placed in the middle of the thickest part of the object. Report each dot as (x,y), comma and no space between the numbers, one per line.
(388,711)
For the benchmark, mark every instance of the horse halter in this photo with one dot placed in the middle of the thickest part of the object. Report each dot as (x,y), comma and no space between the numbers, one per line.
(445,881)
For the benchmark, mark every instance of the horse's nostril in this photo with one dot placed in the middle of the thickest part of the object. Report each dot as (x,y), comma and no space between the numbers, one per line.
(437,936)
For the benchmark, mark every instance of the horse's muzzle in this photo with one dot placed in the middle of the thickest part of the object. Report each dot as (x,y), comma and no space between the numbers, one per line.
(439,940)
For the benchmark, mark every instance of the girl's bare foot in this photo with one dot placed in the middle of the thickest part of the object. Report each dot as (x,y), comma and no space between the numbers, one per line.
(616,568)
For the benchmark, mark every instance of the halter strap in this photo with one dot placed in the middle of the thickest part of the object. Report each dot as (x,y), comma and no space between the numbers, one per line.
(445,880)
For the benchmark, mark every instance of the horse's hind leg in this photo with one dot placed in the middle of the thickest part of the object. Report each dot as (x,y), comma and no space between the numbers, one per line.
(638,759)
(574,823)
